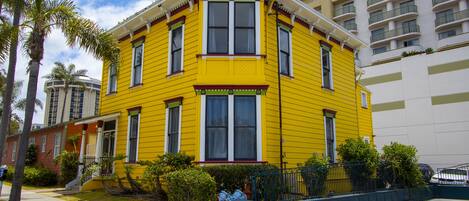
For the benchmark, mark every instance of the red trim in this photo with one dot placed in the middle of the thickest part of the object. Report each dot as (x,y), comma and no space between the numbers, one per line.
(231,162)
(180,19)
(234,55)
(324,43)
(84,127)
(141,38)
(261,87)
(329,111)
(177,99)
(285,24)
(137,108)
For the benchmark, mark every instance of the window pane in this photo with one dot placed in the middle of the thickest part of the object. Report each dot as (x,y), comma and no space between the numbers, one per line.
(244,15)
(218,40)
(245,41)
(284,63)
(174,120)
(284,41)
(218,14)
(176,40)
(325,59)
(138,56)
(326,78)
(330,138)
(245,127)
(216,127)
(217,111)
(217,143)
(176,61)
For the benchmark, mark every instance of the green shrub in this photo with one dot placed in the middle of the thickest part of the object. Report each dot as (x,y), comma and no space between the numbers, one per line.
(429,50)
(68,162)
(191,185)
(399,166)
(31,156)
(36,176)
(10,173)
(314,173)
(360,161)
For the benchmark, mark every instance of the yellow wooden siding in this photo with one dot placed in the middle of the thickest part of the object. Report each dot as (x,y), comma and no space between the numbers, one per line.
(303,98)
(364,114)
(156,88)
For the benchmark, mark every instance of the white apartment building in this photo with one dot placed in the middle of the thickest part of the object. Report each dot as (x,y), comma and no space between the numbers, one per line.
(421,100)
(80,103)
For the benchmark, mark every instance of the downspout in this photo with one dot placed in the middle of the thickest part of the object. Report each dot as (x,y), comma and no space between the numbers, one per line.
(276,6)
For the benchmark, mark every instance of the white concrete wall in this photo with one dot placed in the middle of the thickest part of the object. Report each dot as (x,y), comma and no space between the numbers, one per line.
(439,132)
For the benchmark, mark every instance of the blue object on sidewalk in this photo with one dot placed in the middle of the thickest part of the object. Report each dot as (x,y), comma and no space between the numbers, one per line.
(236,196)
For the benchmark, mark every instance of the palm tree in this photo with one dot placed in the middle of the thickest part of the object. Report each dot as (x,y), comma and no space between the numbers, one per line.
(41,16)
(68,75)
(12,40)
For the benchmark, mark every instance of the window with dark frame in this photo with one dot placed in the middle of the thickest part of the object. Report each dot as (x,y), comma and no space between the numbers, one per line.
(112,79)
(216,128)
(176,50)
(133,136)
(330,138)
(284,52)
(245,128)
(245,28)
(218,27)
(173,129)
(326,68)
(137,65)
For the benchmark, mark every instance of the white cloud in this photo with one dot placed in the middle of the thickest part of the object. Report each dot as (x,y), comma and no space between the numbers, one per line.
(56,49)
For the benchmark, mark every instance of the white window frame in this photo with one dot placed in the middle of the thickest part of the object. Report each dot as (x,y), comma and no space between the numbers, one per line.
(231,128)
(57,146)
(290,70)
(13,151)
(109,79)
(166,130)
(364,99)
(132,67)
(335,138)
(331,76)
(231,15)
(43,143)
(128,138)
(170,48)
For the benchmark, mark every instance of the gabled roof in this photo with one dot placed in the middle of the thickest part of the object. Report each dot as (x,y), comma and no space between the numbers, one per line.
(296,8)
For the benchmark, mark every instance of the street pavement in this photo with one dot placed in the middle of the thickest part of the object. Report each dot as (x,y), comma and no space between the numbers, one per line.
(37,195)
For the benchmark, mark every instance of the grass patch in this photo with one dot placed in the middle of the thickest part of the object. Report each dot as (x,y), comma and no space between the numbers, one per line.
(97,195)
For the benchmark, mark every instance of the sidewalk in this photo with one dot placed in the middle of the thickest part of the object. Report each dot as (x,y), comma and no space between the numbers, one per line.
(43,195)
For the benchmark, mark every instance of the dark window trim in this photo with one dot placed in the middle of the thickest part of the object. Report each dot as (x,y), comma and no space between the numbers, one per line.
(329,111)
(234,128)
(329,69)
(206,138)
(288,73)
(170,134)
(180,19)
(326,44)
(134,65)
(283,23)
(218,27)
(133,139)
(139,39)
(173,51)
(177,99)
(243,27)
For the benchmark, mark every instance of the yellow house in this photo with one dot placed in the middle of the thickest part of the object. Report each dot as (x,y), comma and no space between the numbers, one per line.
(231,82)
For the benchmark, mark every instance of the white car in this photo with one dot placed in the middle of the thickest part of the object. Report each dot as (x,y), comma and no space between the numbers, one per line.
(455,176)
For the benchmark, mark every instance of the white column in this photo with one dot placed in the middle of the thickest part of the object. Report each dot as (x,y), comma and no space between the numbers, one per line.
(99,142)
(82,149)
(389,5)
(463,6)
(391,25)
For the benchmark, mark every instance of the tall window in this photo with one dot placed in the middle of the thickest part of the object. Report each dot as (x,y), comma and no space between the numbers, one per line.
(364,99)
(137,63)
(43,143)
(173,127)
(444,17)
(96,102)
(330,136)
(13,152)
(218,27)
(409,26)
(53,105)
(132,144)
(76,104)
(231,127)
(245,128)
(245,28)
(57,142)
(176,50)
(112,85)
(216,128)
(326,64)
(285,51)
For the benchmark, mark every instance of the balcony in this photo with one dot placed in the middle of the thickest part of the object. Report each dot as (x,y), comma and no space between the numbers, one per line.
(395,14)
(442,4)
(345,12)
(393,54)
(352,27)
(372,4)
(399,33)
(445,21)
(453,41)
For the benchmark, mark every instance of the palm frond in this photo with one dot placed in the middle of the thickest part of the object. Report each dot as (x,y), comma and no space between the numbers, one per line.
(21,104)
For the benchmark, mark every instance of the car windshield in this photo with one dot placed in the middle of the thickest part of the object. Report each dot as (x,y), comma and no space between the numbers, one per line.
(454,171)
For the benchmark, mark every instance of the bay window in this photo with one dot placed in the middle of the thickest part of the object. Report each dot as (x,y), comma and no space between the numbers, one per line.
(216,128)
(245,127)
(245,28)
(218,27)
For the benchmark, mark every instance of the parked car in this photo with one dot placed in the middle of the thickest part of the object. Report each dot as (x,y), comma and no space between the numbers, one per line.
(427,172)
(451,176)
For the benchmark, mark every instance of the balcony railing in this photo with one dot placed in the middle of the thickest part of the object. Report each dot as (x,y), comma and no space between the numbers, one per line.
(444,19)
(371,2)
(344,10)
(350,26)
(395,32)
(435,2)
(392,13)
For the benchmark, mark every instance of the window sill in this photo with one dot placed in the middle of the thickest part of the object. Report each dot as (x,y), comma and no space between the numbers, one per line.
(112,93)
(230,55)
(231,162)
(136,86)
(287,76)
(364,107)
(174,74)
(327,89)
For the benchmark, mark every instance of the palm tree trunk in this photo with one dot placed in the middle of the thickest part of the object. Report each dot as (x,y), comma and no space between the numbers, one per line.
(1,6)
(5,123)
(65,101)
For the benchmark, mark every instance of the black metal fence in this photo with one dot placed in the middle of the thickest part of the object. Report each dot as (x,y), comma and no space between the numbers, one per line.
(457,175)
(314,182)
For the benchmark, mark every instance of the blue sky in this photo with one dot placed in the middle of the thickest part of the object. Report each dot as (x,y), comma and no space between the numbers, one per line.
(106,13)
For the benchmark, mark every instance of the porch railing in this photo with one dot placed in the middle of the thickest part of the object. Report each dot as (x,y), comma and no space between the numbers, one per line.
(457,175)
(105,164)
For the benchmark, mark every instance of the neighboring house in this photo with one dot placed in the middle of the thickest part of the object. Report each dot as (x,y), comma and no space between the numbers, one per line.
(203,77)
(80,103)
(419,100)
(49,143)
